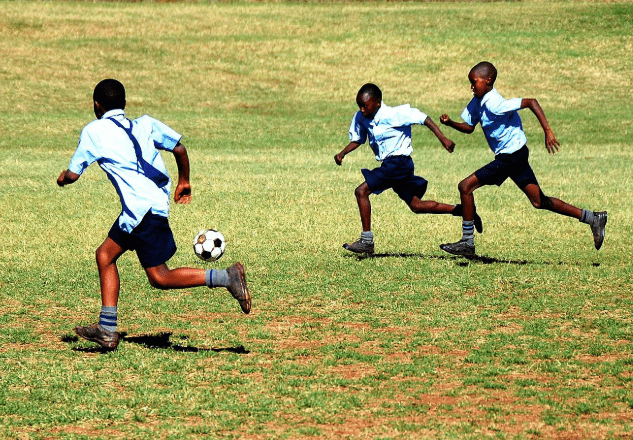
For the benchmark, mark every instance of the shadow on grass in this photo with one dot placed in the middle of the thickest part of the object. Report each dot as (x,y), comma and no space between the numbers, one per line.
(160,341)
(461,261)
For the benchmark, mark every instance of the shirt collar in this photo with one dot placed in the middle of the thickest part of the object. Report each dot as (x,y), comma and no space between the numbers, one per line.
(380,112)
(113,112)
(489,95)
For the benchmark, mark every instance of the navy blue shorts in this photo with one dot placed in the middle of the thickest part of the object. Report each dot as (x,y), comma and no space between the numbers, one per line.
(152,240)
(396,172)
(514,165)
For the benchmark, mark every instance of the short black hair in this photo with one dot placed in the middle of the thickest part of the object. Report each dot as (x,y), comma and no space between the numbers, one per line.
(487,69)
(372,90)
(110,93)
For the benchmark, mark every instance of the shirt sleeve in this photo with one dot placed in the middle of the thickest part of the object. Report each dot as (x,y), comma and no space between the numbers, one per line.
(85,154)
(407,115)
(470,115)
(504,106)
(357,131)
(164,137)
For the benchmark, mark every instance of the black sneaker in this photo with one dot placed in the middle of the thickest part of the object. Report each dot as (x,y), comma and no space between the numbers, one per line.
(237,286)
(94,333)
(360,246)
(597,227)
(460,248)
(479,226)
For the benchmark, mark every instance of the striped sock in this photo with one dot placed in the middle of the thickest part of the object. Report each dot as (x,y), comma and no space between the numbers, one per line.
(468,231)
(367,236)
(108,318)
(587,217)
(216,278)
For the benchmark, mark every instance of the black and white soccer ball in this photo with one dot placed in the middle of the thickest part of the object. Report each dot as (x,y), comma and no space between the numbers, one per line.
(209,245)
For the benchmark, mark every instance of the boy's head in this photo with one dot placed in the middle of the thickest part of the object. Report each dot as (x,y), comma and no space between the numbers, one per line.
(482,78)
(109,94)
(369,99)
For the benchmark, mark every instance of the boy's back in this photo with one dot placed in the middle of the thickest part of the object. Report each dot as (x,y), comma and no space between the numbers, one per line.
(132,163)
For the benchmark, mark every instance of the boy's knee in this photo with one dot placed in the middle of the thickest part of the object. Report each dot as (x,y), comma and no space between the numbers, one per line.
(462,187)
(102,257)
(361,191)
(157,281)
(417,206)
(541,201)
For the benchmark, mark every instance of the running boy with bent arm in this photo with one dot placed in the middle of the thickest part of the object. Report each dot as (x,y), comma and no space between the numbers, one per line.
(389,133)
(501,124)
(128,152)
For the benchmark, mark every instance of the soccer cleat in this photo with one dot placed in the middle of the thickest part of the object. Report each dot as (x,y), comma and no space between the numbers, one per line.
(237,286)
(479,226)
(460,248)
(597,227)
(94,333)
(360,246)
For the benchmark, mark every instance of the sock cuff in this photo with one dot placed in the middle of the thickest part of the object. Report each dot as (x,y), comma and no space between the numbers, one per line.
(109,310)
(367,235)
(217,278)
(587,216)
(207,277)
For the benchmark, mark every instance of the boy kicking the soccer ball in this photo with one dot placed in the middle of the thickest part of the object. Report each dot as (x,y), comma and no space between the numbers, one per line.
(389,133)
(501,124)
(128,152)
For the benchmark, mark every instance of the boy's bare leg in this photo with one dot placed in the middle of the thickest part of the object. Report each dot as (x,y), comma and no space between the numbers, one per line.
(365,244)
(233,278)
(107,255)
(430,207)
(104,332)
(162,277)
(466,188)
(364,206)
(466,245)
(596,220)
(541,201)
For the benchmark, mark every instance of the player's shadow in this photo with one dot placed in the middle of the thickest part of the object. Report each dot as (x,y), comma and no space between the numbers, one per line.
(461,261)
(160,341)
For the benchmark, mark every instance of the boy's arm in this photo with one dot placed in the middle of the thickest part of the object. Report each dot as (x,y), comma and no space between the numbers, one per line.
(550,140)
(448,144)
(182,195)
(462,127)
(350,147)
(67,177)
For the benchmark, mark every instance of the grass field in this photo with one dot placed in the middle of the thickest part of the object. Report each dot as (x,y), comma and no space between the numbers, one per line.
(531,340)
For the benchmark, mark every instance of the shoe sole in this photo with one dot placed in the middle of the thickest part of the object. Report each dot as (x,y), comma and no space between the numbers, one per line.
(460,254)
(600,240)
(97,341)
(247,293)
(479,226)
(347,248)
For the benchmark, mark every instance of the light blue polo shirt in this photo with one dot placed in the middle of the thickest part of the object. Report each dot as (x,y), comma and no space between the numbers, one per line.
(389,131)
(102,141)
(499,119)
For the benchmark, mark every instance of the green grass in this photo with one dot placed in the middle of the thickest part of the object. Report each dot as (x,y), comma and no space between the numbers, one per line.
(533,340)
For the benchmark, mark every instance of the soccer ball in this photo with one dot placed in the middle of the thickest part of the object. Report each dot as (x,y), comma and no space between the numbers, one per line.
(209,245)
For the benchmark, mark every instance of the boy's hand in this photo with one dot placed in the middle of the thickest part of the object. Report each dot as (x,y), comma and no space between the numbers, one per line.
(448,144)
(182,195)
(338,159)
(550,142)
(61,179)
(445,119)
(66,178)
